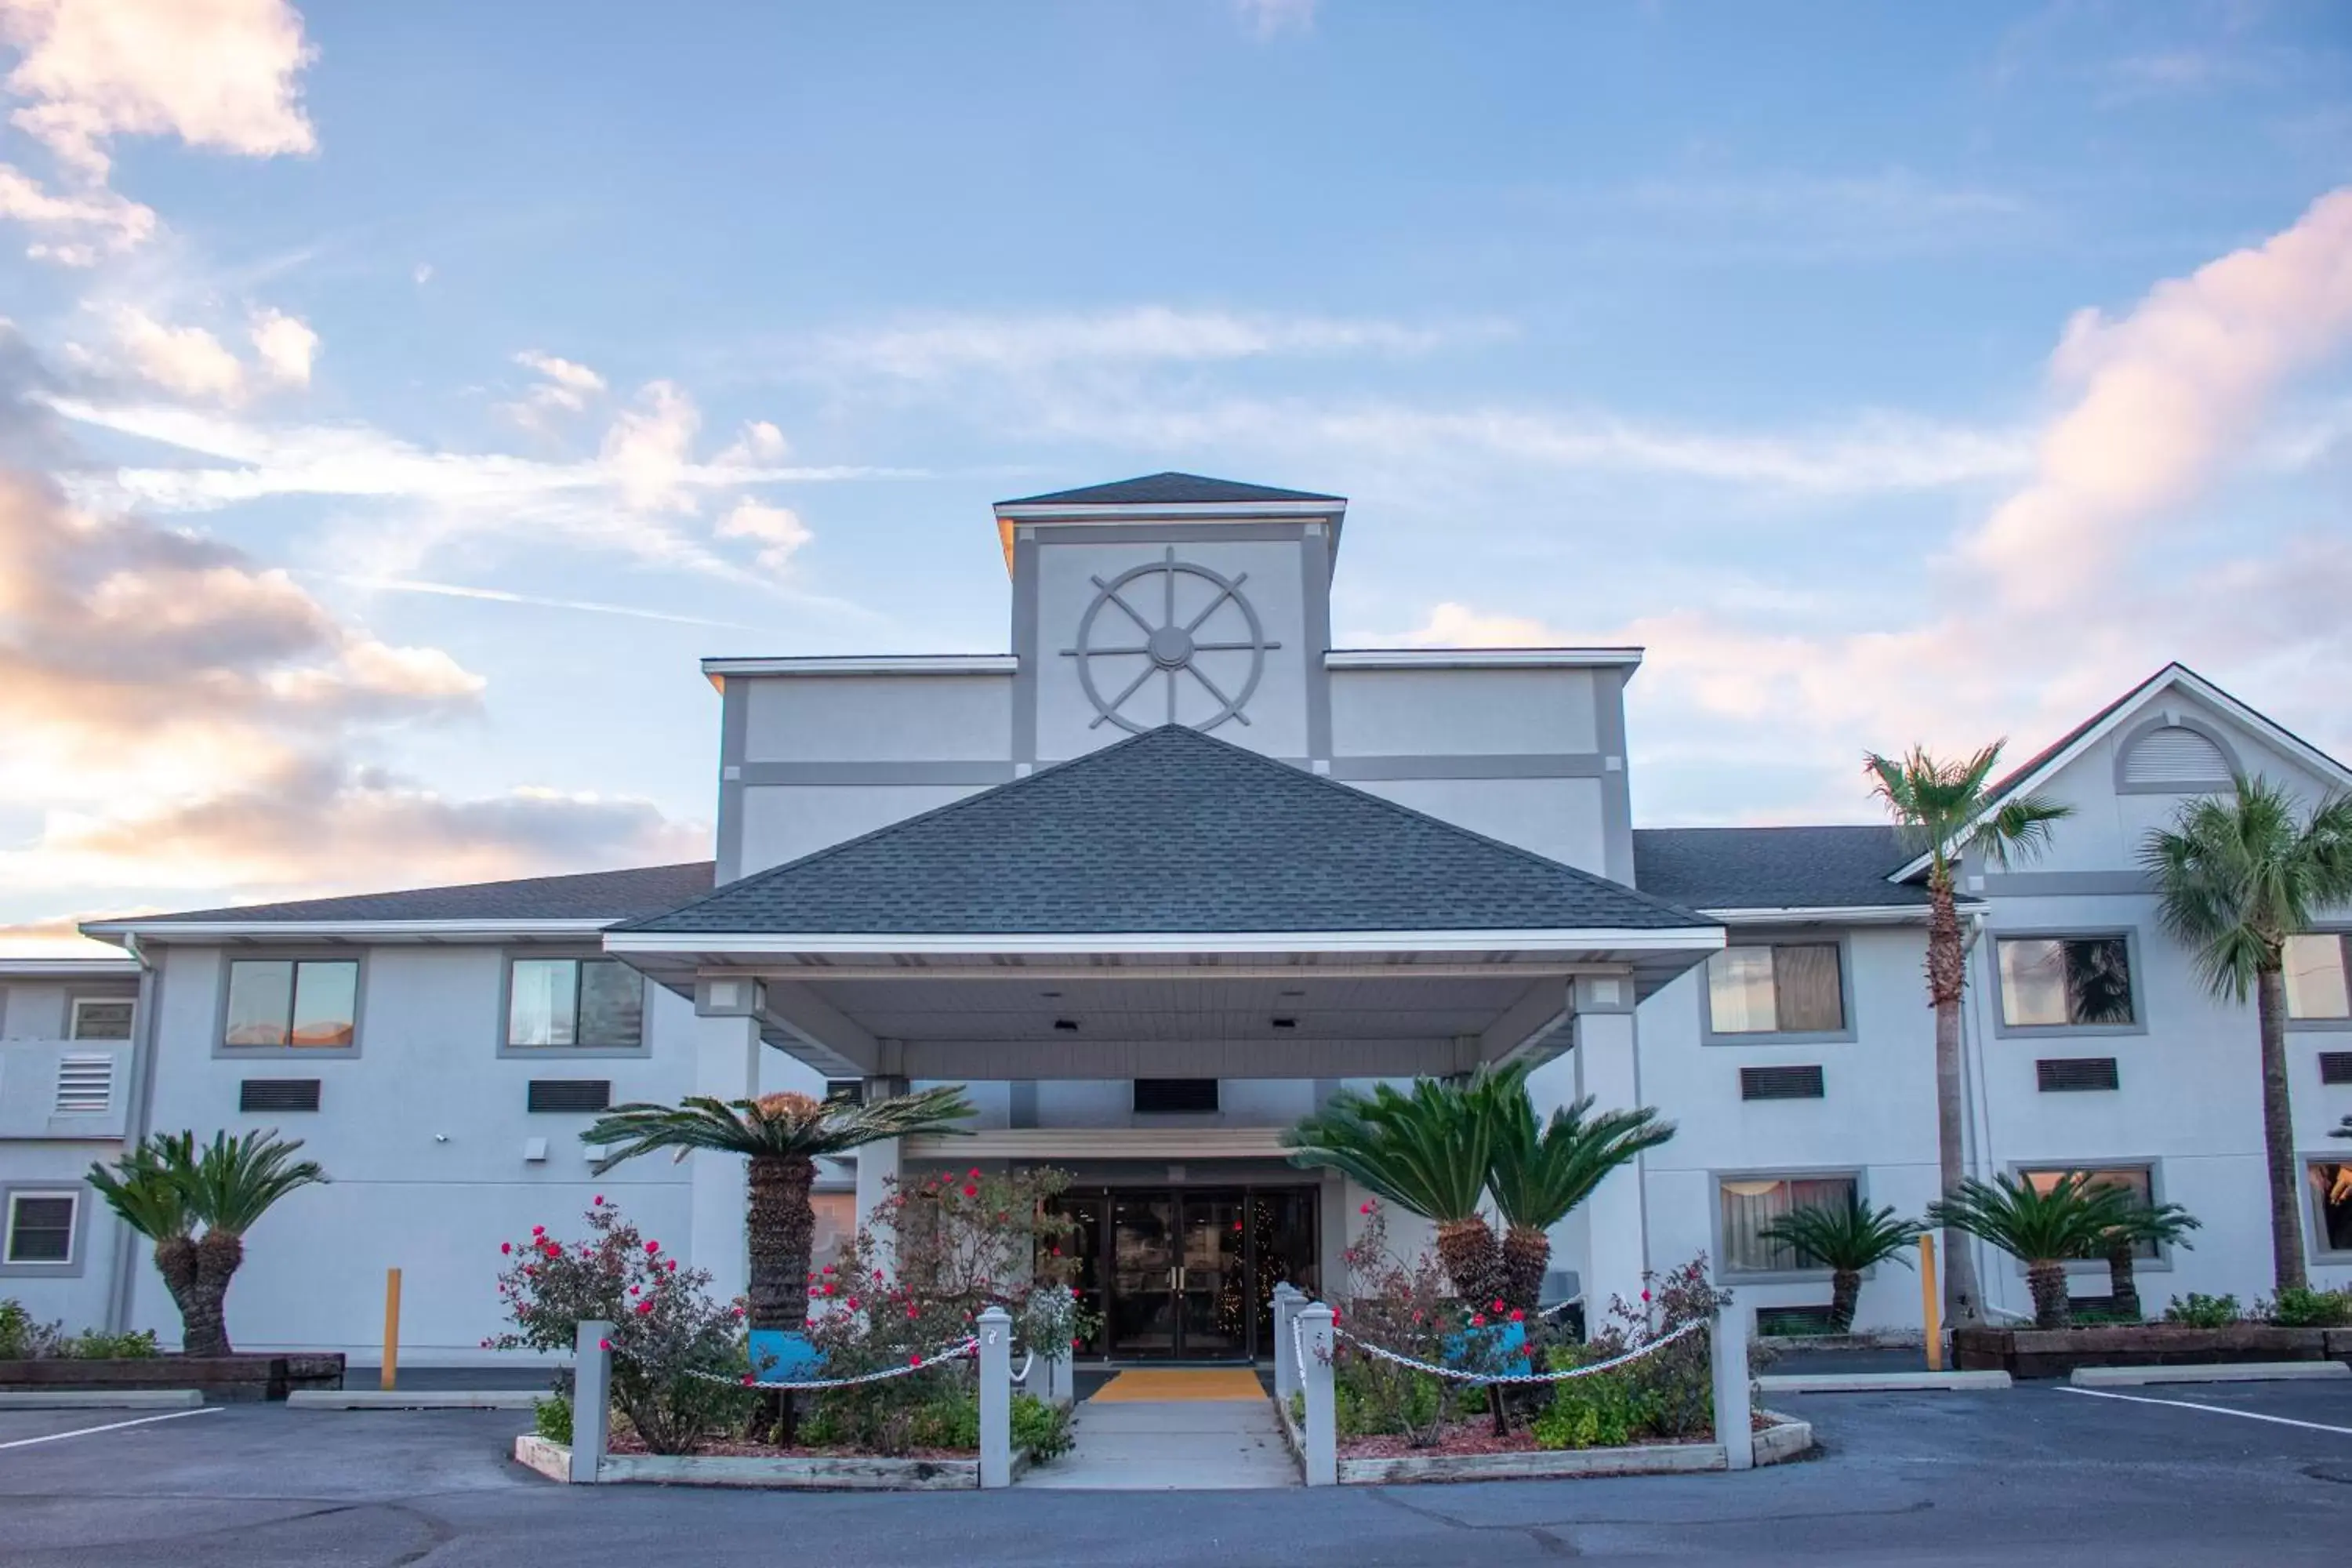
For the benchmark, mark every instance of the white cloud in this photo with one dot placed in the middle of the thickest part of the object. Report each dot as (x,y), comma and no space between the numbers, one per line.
(759,443)
(564,388)
(777,530)
(186,361)
(1268,18)
(287,346)
(218,74)
(647,450)
(79,227)
(2163,398)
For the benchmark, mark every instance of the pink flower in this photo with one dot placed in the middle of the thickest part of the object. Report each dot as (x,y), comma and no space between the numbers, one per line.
(853,1303)
(539,1230)
(1478,1320)
(912,1313)
(673,1266)
(1364,1208)
(634,1290)
(1498,1306)
(599,1199)
(652,1247)
(878,1274)
(1517,1316)
(604,1345)
(739,1311)
(827,1269)
(976,1173)
(914,1361)
(1078,1344)
(506,1247)
(747,1379)
(646,1305)
(972,1191)
(1645,1295)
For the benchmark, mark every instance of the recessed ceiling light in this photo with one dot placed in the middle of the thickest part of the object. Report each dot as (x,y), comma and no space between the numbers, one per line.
(1291,994)
(1067,1025)
(1050,995)
(1285,1023)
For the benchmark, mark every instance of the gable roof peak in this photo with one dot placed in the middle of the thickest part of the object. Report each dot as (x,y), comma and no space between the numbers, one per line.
(1171,487)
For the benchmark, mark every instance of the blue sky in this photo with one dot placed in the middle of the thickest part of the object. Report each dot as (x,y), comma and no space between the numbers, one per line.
(1891,374)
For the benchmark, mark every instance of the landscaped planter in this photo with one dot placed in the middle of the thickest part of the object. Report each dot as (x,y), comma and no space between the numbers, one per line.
(1778,1438)
(848,1472)
(2055,1353)
(263,1375)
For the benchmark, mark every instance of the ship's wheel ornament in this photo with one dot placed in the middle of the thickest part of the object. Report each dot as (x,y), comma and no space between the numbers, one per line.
(1144,638)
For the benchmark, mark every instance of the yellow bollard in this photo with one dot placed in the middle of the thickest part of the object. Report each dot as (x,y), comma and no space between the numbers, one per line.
(1931,1300)
(391,1328)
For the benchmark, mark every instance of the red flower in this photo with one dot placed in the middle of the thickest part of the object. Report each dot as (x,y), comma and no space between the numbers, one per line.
(972,1191)
(652,1247)
(914,1361)
(1498,1306)
(976,1173)
(912,1313)
(506,1247)
(1365,1207)
(747,1379)
(673,1266)
(1519,1316)
(599,1199)
(604,1345)
(1528,1352)
(878,1274)
(828,1289)
(646,1305)
(853,1303)
(539,1230)
(1645,1295)
(1478,1320)
(1078,1344)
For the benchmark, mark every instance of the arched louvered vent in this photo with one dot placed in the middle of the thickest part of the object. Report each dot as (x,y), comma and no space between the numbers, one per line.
(2176,757)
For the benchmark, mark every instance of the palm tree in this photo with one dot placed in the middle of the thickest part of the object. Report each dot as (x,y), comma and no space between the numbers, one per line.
(2161,1224)
(782,1135)
(2236,877)
(1427,1152)
(1950,810)
(1538,1175)
(1845,1239)
(166,1186)
(2044,1230)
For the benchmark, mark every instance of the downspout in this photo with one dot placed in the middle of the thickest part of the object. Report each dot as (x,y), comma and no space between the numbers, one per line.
(1972,1065)
(137,1103)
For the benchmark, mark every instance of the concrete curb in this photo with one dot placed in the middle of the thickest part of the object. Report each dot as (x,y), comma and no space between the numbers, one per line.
(418,1399)
(1881,1382)
(2241,1372)
(98,1399)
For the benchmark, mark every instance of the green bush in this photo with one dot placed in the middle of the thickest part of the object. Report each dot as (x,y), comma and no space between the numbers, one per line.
(2198,1310)
(1606,1410)
(552,1418)
(98,1346)
(1041,1428)
(2301,1308)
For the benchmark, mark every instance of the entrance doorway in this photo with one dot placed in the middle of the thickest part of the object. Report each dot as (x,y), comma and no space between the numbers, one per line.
(1187,1273)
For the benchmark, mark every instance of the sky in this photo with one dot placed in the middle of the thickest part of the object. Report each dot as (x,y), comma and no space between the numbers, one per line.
(396,401)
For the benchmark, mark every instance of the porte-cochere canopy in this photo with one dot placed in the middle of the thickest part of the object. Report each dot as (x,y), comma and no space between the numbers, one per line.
(1170,905)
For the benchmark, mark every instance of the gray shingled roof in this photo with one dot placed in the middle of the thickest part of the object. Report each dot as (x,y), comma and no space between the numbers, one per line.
(1774,868)
(589,896)
(1170,831)
(1170,489)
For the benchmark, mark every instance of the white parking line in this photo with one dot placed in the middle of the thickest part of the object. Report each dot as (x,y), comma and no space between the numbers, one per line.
(2212,1409)
(110,1426)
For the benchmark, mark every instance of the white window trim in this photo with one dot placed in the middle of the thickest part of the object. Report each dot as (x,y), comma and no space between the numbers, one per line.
(10,1197)
(73,1019)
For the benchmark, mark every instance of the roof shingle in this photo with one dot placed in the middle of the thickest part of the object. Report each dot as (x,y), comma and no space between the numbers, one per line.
(1170,831)
(587,896)
(1171,489)
(1774,868)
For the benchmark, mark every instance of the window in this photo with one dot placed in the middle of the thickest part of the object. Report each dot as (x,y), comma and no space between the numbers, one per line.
(1752,1203)
(101,1018)
(2137,1180)
(2331,1203)
(836,1216)
(2071,981)
(1786,988)
(2315,986)
(41,1227)
(594,1004)
(305,1003)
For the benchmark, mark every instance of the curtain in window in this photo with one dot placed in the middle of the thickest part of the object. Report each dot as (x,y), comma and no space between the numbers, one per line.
(2315,977)
(540,1002)
(1806,979)
(1750,1205)
(1740,991)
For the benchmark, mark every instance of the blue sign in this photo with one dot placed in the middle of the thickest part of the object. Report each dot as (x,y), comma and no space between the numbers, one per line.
(779,1357)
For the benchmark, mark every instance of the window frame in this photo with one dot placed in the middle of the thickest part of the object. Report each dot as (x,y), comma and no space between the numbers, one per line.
(2328,1025)
(1842,941)
(572,952)
(1859,1175)
(76,1250)
(2096,1268)
(2316,1232)
(296,955)
(2003,1029)
(74,1001)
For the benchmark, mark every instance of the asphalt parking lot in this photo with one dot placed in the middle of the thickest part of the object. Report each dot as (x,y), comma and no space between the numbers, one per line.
(2037,1475)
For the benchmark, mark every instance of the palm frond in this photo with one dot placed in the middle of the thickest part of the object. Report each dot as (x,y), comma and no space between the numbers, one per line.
(148,1185)
(1426,1152)
(774,1126)
(2165,1225)
(2069,1220)
(1846,1236)
(2237,875)
(1944,810)
(1539,1174)
(235,1181)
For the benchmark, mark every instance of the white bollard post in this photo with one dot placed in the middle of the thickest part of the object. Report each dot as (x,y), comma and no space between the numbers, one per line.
(592,1399)
(1061,1376)
(1315,1323)
(1734,1419)
(1287,1302)
(994,1329)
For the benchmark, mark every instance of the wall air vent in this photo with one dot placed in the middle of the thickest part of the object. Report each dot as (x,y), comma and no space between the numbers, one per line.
(573,1094)
(278,1094)
(2065,1074)
(1174,1096)
(84,1084)
(2335,1066)
(1781,1083)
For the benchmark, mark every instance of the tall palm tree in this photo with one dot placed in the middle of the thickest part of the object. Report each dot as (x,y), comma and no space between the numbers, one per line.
(2043,1230)
(2162,1225)
(1427,1152)
(1845,1239)
(2236,877)
(1949,811)
(782,1135)
(168,1185)
(1539,1174)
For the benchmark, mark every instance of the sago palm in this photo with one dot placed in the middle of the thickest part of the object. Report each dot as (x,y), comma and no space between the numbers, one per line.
(1539,1173)
(148,1188)
(783,1136)
(1427,1152)
(2237,876)
(2044,1230)
(1948,811)
(2160,1224)
(1845,1239)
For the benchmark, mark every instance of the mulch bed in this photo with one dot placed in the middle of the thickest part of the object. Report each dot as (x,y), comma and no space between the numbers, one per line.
(1476,1435)
(626,1441)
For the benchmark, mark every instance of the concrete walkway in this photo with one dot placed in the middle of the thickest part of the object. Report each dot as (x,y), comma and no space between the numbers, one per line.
(1173,1431)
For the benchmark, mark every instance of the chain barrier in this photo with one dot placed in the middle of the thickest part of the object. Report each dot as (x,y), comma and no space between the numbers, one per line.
(954,1353)
(1482,1379)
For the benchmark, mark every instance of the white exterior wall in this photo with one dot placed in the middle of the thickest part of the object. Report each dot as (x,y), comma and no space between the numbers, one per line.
(43,1151)
(1463,712)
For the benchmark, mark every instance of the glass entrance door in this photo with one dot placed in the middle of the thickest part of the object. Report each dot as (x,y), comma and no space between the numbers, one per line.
(1189,1275)
(1210,1279)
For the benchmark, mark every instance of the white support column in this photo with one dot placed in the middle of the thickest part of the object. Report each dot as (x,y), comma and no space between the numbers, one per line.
(1608,1068)
(1287,1299)
(726,1067)
(994,1329)
(877,1167)
(592,1399)
(1315,1326)
(1734,1418)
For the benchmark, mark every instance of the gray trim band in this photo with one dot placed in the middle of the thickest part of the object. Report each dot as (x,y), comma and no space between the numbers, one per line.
(1178,533)
(1616,788)
(1024,644)
(877,773)
(1481,765)
(2067,884)
(1314,582)
(734,739)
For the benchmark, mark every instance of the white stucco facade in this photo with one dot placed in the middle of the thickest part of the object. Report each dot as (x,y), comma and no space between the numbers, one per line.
(424,1118)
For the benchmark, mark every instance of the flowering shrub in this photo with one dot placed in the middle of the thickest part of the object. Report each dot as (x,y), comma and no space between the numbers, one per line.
(666,1329)
(1407,1306)
(961,1243)
(1676,1383)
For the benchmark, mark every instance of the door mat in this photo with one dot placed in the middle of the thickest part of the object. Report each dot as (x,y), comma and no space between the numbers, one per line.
(1181,1383)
